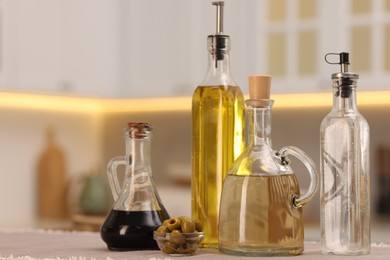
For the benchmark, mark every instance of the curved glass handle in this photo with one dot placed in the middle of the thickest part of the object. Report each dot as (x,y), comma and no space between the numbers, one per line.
(305,159)
(112,174)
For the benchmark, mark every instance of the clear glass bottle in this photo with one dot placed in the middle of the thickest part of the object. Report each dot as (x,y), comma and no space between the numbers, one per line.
(138,210)
(217,132)
(345,181)
(261,205)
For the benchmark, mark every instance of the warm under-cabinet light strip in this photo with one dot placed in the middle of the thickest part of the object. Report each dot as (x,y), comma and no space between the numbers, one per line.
(97,105)
(147,105)
(312,100)
(49,102)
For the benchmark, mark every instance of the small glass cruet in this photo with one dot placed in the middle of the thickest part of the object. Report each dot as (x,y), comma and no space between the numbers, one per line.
(138,210)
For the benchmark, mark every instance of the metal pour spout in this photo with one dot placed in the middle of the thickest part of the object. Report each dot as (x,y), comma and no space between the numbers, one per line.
(343,60)
(219,21)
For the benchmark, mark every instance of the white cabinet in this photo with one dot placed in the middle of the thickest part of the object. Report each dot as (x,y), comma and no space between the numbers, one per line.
(60,45)
(298,33)
(164,44)
(113,48)
(159,45)
(136,48)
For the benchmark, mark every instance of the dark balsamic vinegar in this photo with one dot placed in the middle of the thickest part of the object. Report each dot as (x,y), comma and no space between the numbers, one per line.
(131,230)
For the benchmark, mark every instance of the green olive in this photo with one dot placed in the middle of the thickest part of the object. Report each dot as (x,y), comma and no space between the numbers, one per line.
(163,230)
(170,248)
(184,218)
(166,222)
(177,237)
(184,246)
(188,226)
(198,225)
(186,249)
(174,224)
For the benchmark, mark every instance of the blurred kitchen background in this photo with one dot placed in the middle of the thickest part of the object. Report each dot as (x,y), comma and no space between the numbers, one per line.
(74,72)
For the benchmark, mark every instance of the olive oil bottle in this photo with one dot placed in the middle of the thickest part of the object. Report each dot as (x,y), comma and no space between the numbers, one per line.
(217,132)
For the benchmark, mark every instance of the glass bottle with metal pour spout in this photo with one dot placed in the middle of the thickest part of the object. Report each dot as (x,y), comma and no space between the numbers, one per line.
(261,204)
(217,132)
(345,181)
(138,210)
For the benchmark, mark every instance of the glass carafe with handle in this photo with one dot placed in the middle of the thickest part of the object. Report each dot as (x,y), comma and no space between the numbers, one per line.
(138,210)
(261,204)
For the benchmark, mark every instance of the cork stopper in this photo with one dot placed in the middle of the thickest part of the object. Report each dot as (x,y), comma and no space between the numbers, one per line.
(138,130)
(259,87)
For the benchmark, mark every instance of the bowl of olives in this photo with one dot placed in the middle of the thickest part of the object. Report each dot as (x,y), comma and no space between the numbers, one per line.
(179,236)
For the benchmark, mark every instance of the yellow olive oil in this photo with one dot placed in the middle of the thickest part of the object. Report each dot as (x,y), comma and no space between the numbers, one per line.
(259,216)
(218,139)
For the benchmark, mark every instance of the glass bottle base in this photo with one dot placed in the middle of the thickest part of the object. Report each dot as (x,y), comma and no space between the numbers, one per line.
(131,230)
(262,251)
(209,245)
(345,252)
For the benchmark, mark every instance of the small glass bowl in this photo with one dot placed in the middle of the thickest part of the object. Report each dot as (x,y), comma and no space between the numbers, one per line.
(179,244)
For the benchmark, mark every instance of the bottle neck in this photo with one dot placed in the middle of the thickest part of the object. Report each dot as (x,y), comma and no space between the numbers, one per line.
(218,70)
(258,122)
(138,153)
(344,92)
(344,99)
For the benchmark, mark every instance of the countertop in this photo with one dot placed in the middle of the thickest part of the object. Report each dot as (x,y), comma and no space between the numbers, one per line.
(44,244)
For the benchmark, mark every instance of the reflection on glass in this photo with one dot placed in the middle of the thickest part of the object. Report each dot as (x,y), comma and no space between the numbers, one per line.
(307,52)
(361,48)
(277,54)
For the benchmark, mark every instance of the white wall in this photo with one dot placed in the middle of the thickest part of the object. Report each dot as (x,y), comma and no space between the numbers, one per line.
(89,139)
(293,126)
(22,139)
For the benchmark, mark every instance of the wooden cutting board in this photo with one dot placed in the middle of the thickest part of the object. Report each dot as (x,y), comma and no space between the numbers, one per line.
(52,180)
